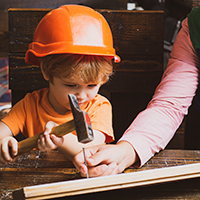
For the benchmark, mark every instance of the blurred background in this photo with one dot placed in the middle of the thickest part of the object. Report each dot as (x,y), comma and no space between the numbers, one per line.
(175,12)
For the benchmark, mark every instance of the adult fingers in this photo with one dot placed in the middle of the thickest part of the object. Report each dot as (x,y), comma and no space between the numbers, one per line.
(102,170)
(102,154)
(79,161)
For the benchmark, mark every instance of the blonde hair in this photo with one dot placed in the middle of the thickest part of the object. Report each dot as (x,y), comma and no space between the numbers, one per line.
(88,68)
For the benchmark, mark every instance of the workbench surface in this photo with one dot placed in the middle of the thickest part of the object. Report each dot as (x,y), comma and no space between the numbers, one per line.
(36,168)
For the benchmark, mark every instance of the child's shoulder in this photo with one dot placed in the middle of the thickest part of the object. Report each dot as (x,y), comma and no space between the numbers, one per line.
(100,99)
(38,94)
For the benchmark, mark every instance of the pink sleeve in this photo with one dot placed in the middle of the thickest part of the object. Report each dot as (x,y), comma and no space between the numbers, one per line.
(155,126)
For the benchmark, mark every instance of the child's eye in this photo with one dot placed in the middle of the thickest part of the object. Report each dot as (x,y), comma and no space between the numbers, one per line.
(70,85)
(92,85)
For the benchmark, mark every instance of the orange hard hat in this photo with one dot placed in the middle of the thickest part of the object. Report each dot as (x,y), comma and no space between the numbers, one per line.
(73,29)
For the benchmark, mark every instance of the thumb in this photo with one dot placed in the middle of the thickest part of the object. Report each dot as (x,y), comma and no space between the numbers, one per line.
(57,140)
(48,127)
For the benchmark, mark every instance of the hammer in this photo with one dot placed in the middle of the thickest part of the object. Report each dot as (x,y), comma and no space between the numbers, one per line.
(81,124)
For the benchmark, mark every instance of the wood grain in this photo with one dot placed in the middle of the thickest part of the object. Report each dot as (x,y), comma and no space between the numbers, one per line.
(36,168)
(99,184)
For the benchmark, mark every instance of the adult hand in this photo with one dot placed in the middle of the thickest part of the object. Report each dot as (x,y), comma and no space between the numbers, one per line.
(105,160)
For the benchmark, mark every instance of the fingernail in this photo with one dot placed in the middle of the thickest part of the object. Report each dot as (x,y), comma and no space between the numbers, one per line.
(104,168)
(45,133)
(83,171)
(90,160)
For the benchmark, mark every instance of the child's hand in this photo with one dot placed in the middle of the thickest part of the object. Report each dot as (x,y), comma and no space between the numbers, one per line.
(5,144)
(49,142)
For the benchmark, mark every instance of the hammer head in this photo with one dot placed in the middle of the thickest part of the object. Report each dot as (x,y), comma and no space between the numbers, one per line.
(81,121)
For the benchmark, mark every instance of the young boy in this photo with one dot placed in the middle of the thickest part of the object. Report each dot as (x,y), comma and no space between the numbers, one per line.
(74,48)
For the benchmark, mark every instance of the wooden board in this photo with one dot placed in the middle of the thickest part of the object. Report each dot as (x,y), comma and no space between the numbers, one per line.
(121,181)
(36,168)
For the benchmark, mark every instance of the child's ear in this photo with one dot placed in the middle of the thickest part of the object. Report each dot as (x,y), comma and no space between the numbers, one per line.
(45,76)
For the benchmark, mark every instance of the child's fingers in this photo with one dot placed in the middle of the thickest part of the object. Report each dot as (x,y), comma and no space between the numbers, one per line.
(49,143)
(5,154)
(48,127)
(45,143)
(2,157)
(57,140)
(41,143)
(2,160)
(14,146)
(8,143)
(40,146)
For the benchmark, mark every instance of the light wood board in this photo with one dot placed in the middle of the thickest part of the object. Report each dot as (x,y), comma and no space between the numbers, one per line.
(105,183)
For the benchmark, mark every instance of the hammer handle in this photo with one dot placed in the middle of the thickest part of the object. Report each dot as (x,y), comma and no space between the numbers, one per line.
(30,143)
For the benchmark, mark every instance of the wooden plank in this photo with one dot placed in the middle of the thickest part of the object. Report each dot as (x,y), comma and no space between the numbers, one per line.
(140,29)
(37,167)
(29,169)
(142,78)
(83,186)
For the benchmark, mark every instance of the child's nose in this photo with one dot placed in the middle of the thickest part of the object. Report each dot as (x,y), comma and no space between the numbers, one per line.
(81,95)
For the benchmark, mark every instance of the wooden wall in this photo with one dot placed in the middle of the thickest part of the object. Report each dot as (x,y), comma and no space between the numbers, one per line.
(5,5)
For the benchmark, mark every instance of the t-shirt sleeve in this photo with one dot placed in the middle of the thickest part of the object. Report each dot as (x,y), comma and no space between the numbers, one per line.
(15,118)
(101,117)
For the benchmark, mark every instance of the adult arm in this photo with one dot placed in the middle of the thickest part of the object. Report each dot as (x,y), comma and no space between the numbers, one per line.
(153,128)
(105,160)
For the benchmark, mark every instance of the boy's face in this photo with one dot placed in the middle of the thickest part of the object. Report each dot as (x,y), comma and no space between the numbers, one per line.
(61,87)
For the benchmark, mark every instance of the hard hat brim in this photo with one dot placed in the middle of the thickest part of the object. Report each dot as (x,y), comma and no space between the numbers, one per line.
(37,50)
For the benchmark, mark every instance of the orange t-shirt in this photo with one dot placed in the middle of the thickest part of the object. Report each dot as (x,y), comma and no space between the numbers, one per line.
(30,115)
